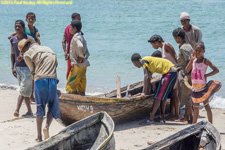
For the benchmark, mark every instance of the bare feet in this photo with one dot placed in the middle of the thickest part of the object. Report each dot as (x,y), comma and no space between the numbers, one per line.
(182,120)
(16,114)
(32,99)
(28,114)
(150,143)
(46,133)
(38,140)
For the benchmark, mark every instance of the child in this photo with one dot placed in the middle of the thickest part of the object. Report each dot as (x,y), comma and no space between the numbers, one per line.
(169,73)
(76,82)
(30,29)
(202,92)
(169,53)
(184,93)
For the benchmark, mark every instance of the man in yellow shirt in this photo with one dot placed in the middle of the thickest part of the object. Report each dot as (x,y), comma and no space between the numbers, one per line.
(165,88)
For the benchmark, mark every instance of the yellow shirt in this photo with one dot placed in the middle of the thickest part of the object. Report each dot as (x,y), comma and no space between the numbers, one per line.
(158,65)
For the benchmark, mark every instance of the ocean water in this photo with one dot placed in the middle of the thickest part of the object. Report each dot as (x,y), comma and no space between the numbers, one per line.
(114,30)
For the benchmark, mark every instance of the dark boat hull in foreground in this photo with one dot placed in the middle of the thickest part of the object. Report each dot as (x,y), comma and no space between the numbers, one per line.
(75,107)
(92,133)
(200,136)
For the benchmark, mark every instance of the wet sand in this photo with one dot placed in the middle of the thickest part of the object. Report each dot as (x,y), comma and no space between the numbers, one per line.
(20,133)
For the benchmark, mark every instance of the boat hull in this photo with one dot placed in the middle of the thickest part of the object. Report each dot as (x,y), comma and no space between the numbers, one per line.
(92,133)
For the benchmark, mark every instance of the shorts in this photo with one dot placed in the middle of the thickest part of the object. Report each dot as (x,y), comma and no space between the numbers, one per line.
(76,82)
(45,91)
(165,87)
(25,81)
(184,93)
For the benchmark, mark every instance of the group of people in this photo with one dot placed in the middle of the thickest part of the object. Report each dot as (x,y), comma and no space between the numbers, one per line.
(34,66)
(184,77)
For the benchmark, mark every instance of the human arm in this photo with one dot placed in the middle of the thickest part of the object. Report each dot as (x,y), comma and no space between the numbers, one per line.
(29,64)
(37,35)
(189,65)
(13,34)
(13,61)
(147,87)
(213,67)
(64,47)
(169,49)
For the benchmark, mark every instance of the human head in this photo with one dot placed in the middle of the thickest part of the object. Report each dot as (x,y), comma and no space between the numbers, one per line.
(179,35)
(156,40)
(19,26)
(135,58)
(157,54)
(24,45)
(185,19)
(75,26)
(30,18)
(75,16)
(199,50)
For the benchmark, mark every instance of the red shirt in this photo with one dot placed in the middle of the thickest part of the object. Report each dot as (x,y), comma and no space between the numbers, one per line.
(68,37)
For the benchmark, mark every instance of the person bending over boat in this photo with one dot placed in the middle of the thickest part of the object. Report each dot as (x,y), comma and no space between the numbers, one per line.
(42,63)
(76,82)
(162,66)
(169,53)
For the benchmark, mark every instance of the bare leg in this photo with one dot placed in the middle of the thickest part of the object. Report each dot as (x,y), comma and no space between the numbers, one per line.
(19,103)
(209,113)
(39,121)
(29,110)
(32,93)
(176,103)
(195,116)
(190,116)
(163,110)
(154,109)
(48,123)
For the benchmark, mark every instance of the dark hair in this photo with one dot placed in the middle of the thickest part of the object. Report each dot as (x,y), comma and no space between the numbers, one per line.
(21,23)
(77,24)
(179,32)
(156,38)
(157,54)
(200,44)
(30,13)
(74,15)
(135,57)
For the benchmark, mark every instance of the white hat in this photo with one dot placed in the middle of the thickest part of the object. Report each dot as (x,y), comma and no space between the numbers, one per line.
(184,15)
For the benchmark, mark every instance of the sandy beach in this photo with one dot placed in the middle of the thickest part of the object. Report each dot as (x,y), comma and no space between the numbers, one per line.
(20,133)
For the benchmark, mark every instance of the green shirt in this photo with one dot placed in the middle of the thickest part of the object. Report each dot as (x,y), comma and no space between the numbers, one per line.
(27,31)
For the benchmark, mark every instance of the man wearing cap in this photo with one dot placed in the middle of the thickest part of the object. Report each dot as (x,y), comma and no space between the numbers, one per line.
(193,34)
(42,63)
(20,69)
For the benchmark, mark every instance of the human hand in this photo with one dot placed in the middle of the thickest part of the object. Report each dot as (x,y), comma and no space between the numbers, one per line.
(193,55)
(19,58)
(143,96)
(67,56)
(80,60)
(59,93)
(14,73)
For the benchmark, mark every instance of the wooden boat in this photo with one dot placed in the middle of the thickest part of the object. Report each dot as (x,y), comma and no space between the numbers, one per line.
(75,107)
(200,136)
(92,133)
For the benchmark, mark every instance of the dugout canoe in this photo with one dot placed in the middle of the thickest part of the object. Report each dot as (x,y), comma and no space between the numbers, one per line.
(75,107)
(92,133)
(200,136)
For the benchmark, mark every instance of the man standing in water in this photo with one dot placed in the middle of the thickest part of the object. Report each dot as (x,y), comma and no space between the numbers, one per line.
(42,63)
(66,40)
(193,34)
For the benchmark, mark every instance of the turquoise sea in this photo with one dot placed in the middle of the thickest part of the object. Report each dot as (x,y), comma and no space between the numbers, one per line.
(114,30)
